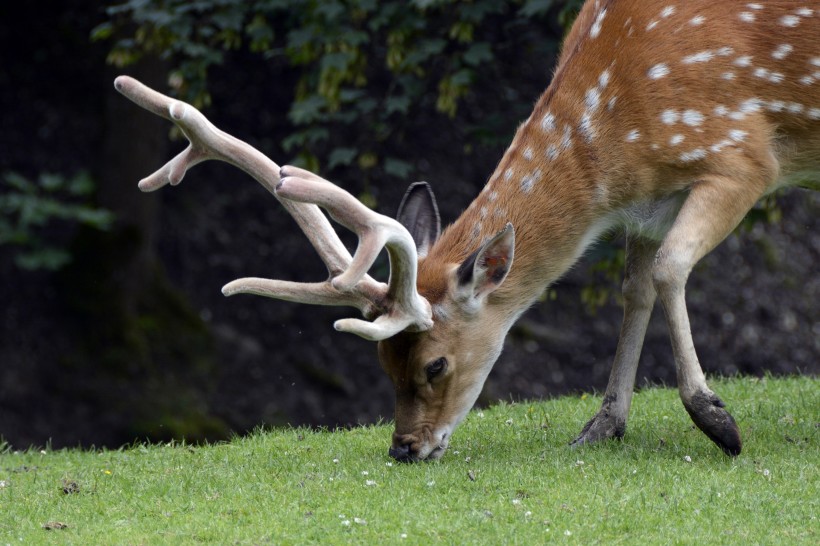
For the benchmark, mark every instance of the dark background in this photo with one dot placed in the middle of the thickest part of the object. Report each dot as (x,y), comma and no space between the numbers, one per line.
(133,340)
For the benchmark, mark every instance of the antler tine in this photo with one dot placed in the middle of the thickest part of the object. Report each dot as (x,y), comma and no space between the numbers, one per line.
(407,308)
(398,304)
(208,142)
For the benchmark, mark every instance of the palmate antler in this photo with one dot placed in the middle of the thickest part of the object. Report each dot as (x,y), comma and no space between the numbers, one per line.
(392,307)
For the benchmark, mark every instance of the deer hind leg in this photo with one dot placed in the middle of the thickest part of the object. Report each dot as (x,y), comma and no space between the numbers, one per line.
(714,207)
(639,298)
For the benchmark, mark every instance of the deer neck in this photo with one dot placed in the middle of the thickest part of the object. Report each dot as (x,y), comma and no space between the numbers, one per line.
(553,185)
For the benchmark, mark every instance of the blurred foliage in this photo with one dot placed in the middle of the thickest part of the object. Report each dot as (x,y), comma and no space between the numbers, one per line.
(36,215)
(362,65)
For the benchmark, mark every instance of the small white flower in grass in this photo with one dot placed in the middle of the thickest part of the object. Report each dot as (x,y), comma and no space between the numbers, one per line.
(42,452)
(766,472)
(3,483)
(388,464)
(467,459)
(527,514)
(579,463)
(403,535)
(688,459)
(508,422)
(370,483)
(516,501)
(568,533)
(431,483)
(346,523)
(480,414)
(342,516)
(335,461)
(365,473)
(359,521)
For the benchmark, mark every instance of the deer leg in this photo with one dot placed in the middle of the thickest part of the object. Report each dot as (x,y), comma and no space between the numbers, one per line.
(639,298)
(712,210)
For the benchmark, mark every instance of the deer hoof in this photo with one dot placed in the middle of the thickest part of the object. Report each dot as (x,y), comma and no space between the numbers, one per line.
(601,427)
(706,410)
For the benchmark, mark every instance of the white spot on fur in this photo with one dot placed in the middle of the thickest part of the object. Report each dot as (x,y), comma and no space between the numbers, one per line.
(728,75)
(603,79)
(483,213)
(776,106)
(548,122)
(586,128)
(743,61)
(795,107)
(694,155)
(813,113)
(724,51)
(651,25)
(746,16)
(738,135)
(804,12)
(528,153)
(596,25)
(529,181)
(807,80)
(668,11)
(566,138)
(552,152)
(670,117)
(658,71)
(633,135)
(754,6)
(492,197)
(720,110)
(776,77)
(611,105)
(676,139)
(790,21)
(593,98)
(750,106)
(781,51)
(697,20)
(700,57)
(693,118)
(508,175)
(718,147)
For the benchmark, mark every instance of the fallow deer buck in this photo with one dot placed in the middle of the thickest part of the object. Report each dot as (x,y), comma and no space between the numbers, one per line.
(667,118)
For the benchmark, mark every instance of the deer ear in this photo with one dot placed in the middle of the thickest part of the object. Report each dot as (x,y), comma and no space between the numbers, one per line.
(485,269)
(418,212)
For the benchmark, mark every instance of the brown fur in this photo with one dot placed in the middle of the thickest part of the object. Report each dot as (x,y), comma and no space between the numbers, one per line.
(676,105)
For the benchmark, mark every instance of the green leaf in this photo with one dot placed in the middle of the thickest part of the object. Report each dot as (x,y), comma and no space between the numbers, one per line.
(48,258)
(479,52)
(397,167)
(18,182)
(532,8)
(307,110)
(399,104)
(342,156)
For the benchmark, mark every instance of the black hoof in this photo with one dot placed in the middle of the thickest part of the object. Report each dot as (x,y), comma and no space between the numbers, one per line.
(706,410)
(601,427)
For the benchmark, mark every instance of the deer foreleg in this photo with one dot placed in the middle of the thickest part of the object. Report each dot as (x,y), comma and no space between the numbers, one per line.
(639,298)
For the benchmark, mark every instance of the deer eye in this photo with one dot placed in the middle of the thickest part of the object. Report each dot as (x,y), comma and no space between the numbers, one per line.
(436,368)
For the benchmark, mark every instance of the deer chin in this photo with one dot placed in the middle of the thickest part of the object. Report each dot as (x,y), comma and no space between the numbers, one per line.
(433,452)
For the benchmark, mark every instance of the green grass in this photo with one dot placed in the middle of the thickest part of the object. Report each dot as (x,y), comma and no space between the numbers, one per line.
(508,478)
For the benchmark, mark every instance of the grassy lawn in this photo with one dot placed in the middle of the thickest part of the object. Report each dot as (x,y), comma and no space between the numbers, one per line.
(508,478)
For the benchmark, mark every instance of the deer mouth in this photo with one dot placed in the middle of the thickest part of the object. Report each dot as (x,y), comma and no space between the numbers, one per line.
(406,452)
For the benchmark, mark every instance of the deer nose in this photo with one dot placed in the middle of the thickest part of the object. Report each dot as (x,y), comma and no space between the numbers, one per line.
(401,452)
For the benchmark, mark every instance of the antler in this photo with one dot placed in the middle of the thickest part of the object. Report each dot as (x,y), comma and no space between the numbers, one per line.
(397,305)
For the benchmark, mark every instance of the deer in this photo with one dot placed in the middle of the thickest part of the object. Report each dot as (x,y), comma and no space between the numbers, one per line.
(666,119)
